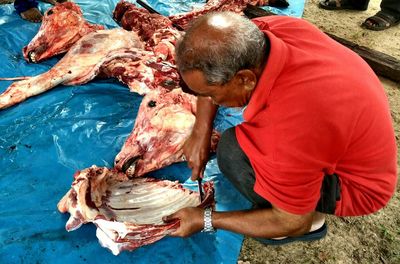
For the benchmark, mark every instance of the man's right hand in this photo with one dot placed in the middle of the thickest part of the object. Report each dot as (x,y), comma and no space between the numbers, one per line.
(196,150)
(197,147)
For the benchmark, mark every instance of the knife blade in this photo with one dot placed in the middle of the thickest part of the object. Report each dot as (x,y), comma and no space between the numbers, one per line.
(200,189)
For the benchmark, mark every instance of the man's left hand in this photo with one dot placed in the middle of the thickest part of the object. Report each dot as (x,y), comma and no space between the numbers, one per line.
(191,221)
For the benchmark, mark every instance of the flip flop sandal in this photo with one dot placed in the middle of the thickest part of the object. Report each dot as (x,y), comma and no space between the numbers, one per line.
(380,21)
(339,5)
(314,235)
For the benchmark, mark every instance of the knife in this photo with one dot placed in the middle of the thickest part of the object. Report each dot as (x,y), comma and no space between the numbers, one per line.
(200,189)
(152,10)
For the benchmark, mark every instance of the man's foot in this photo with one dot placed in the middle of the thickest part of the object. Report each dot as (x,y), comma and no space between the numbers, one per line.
(340,5)
(5,2)
(33,15)
(318,231)
(308,237)
(380,21)
(278,3)
(54,2)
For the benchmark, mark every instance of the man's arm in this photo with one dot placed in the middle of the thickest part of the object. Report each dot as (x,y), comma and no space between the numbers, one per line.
(197,146)
(265,223)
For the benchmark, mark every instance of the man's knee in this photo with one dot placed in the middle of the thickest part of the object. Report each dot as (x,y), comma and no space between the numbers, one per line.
(224,150)
(232,160)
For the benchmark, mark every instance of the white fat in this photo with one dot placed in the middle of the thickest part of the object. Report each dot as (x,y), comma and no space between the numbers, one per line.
(112,229)
(107,242)
(148,202)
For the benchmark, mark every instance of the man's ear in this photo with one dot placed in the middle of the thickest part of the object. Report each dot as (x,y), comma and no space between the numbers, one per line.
(247,79)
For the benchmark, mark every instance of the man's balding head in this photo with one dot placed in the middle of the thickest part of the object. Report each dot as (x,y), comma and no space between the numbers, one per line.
(220,44)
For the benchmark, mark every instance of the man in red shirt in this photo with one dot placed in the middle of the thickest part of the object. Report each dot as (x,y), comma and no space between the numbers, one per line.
(317,135)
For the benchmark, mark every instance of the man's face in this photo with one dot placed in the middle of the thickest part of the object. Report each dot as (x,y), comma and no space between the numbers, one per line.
(231,94)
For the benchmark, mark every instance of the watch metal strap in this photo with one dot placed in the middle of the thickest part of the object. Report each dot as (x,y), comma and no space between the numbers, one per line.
(208,227)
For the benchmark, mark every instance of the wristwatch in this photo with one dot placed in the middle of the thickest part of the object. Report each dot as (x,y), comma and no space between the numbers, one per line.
(208,227)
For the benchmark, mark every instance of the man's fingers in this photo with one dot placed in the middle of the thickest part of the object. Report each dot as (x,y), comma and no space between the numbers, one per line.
(175,233)
(195,173)
(202,173)
(169,218)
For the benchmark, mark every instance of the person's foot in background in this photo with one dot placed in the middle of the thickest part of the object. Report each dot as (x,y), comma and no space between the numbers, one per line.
(381,21)
(389,15)
(54,2)
(32,14)
(5,2)
(28,9)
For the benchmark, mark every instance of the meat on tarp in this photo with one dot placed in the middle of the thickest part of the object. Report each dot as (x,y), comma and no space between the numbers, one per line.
(163,123)
(62,26)
(130,17)
(114,53)
(127,212)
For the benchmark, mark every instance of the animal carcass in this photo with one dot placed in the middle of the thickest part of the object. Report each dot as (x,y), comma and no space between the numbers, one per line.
(127,212)
(236,6)
(155,30)
(62,26)
(140,20)
(128,15)
(163,124)
(115,52)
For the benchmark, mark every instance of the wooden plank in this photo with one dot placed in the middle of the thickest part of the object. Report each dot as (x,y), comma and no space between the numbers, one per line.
(255,11)
(382,64)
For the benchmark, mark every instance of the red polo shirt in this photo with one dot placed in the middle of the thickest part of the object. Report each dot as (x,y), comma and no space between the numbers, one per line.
(318,108)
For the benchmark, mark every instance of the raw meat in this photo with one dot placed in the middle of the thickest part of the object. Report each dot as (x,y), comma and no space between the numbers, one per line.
(142,66)
(127,212)
(115,52)
(132,18)
(164,122)
(236,6)
(62,26)
(139,20)
(154,29)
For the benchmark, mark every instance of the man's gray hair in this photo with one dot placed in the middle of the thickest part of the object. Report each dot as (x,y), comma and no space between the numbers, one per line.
(236,46)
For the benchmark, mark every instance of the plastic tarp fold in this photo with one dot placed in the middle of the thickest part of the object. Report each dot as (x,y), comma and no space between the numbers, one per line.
(46,138)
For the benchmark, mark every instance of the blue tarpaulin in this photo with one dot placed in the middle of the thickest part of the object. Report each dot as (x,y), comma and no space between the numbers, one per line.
(46,138)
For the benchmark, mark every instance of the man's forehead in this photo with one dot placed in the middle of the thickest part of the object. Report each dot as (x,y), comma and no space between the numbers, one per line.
(196,81)
(194,76)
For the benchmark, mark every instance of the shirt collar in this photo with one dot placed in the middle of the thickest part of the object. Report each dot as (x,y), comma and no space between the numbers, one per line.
(271,71)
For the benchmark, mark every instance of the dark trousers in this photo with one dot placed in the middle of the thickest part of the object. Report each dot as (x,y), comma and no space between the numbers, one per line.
(23,5)
(391,7)
(236,166)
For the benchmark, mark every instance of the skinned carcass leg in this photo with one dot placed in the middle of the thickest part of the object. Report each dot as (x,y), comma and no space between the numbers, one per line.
(81,64)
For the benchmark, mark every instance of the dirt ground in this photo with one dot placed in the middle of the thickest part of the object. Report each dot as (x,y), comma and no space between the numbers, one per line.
(368,239)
